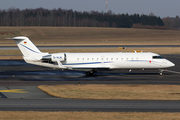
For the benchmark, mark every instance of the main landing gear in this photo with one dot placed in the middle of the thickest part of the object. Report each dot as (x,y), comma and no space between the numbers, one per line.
(90,73)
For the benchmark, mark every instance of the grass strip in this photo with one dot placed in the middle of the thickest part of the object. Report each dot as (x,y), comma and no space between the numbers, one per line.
(91,36)
(29,115)
(125,92)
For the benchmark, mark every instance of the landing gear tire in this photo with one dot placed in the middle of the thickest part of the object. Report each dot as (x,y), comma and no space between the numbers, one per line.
(161,72)
(89,73)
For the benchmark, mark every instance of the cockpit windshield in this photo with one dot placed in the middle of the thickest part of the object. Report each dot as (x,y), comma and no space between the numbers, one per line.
(157,57)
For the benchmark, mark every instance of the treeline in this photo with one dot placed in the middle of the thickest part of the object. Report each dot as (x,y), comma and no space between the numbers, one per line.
(70,18)
(172,23)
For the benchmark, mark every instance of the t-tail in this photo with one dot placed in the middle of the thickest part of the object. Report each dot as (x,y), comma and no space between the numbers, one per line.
(30,52)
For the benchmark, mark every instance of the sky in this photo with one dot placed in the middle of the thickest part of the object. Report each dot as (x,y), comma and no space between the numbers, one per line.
(162,8)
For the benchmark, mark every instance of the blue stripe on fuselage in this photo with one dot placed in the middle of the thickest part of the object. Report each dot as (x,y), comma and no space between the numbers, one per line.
(151,61)
(85,63)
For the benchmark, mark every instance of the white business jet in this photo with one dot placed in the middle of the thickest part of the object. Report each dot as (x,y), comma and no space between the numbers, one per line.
(91,62)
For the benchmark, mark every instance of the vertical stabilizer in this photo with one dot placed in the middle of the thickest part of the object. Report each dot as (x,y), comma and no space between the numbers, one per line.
(26,46)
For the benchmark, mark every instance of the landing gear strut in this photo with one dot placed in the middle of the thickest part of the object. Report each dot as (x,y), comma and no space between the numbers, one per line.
(161,72)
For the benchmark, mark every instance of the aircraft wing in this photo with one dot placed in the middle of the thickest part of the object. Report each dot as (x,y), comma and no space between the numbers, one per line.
(90,68)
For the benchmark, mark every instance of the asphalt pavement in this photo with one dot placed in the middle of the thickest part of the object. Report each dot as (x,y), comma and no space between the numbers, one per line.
(19,81)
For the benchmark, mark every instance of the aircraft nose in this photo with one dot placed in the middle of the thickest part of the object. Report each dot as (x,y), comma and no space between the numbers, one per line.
(170,64)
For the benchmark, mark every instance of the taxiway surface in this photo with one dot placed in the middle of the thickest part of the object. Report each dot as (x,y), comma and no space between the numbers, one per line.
(88,105)
(19,81)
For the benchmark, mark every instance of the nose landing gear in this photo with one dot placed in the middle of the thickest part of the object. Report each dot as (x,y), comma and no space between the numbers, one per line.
(161,72)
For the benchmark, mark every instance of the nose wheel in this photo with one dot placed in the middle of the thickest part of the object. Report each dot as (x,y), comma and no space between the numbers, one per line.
(161,72)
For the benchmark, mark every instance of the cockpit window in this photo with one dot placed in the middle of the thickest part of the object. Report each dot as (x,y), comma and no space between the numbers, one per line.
(157,57)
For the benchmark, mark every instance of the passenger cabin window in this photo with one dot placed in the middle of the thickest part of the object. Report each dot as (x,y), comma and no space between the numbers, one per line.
(92,58)
(111,58)
(157,57)
(77,58)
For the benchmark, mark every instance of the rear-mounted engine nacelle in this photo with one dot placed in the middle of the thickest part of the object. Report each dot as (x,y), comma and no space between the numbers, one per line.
(59,56)
(54,57)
